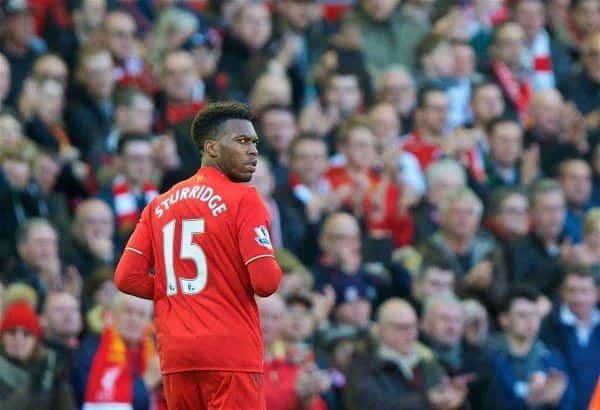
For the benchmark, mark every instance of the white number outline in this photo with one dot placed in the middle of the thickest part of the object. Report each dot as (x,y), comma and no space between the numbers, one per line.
(188,250)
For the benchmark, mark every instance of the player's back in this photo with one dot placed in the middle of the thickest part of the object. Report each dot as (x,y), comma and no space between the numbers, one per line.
(202,238)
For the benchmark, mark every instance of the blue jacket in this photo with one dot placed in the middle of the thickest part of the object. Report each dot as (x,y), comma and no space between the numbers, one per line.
(583,362)
(82,364)
(540,358)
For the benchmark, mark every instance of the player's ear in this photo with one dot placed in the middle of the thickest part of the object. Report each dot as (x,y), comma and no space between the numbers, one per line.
(210,148)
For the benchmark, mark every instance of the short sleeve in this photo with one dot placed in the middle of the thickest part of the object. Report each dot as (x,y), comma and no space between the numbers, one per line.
(140,240)
(253,224)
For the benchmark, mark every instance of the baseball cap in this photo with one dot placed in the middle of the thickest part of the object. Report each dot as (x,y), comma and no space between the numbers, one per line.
(349,289)
(15,6)
(207,38)
(20,314)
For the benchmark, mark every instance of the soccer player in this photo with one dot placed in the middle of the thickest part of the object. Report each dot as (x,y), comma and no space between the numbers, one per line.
(207,239)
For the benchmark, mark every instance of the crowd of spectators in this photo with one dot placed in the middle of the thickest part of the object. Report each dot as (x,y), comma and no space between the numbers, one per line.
(431,168)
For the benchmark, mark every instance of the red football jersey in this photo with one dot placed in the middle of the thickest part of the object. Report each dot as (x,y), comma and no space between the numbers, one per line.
(201,235)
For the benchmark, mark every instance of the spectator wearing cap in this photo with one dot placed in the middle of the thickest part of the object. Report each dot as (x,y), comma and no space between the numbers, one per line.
(527,374)
(399,372)
(291,378)
(90,110)
(29,374)
(574,330)
(442,330)
(388,36)
(575,178)
(475,258)
(19,44)
(353,303)
(126,344)
(533,259)
(441,177)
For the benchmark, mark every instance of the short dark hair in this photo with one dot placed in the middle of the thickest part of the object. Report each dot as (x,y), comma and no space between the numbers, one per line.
(580,271)
(305,136)
(502,194)
(519,292)
(274,107)
(541,187)
(424,93)
(351,123)
(207,122)
(483,84)
(502,120)
(429,44)
(125,97)
(129,137)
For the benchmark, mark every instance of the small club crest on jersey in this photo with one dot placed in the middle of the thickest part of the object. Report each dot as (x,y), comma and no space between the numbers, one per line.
(262,237)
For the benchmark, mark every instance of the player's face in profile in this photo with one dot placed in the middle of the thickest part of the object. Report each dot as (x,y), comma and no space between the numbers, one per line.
(237,153)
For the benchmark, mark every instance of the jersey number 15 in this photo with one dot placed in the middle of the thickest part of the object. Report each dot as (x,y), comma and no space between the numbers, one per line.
(188,250)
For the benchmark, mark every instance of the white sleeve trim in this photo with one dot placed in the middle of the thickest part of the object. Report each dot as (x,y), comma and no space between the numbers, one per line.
(129,248)
(266,255)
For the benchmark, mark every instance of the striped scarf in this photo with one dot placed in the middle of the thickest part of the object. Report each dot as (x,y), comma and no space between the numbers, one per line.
(126,203)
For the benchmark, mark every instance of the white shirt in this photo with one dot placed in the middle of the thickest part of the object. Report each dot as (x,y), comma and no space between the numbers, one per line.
(583,333)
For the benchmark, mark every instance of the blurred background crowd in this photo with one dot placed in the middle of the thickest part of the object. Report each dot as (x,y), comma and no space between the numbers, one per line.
(432,170)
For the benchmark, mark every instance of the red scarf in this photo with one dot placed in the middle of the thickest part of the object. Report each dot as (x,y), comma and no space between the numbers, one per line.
(111,375)
(126,208)
(519,92)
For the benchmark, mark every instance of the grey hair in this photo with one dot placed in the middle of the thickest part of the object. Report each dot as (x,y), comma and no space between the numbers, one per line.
(458,194)
(445,166)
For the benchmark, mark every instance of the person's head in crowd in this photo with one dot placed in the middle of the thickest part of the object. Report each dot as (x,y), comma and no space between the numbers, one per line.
(11,131)
(61,318)
(37,243)
(487,103)
(173,27)
(15,163)
(278,126)
(460,213)
(436,56)
(297,15)
(101,289)
(580,293)
(20,332)
(93,220)
(95,72)
(353,303)
(308,159)
(443,320)
(531,15)
(591,229)
(46,170)
(134,111)
(379,10)
(432,281)
(296,278)
(272,312)
(19,292)
(206,47)
(586,16)
(386,125)
(508,45)
(432,111)
(356,141)
(263,179)
(51,67)
(442,177)
(135,158)
(18,24)
(546,108)
(252,25)
(548,207)
(510,210)
(397,326)
(88,16)
(343,92)
(591,55)
(119,34)
(340,237)
(50,101)
(520,316)
(464,59)
(5,76)
(398,88)
(179,76)
(575,178)
(271,88)
(476,322)
(131,317)
(505,138)
(299,323)
(340,344)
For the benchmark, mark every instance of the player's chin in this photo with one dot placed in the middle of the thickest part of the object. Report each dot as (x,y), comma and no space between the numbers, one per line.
(242,177)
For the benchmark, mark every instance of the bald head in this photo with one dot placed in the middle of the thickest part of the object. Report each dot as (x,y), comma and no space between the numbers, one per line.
(93,218)
(131,317)
(443,319)
(546,107)
(397,326)
(340,236)
(386,124)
